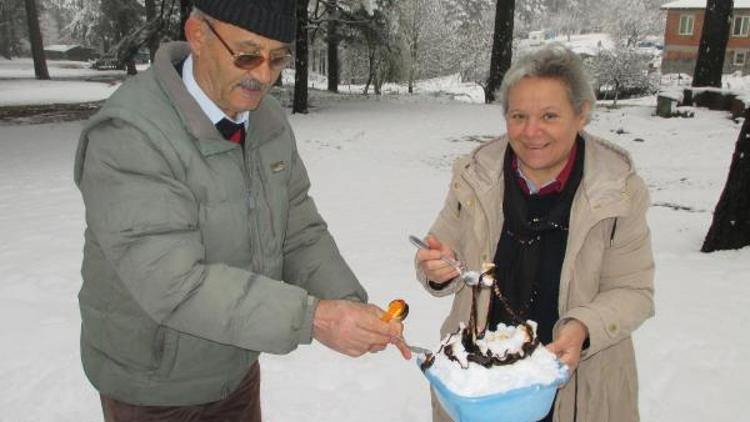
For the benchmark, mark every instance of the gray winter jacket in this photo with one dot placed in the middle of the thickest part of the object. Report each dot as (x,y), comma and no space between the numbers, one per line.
(195,259)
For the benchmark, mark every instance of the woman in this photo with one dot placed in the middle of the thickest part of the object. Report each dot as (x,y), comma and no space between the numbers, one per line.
(562,215)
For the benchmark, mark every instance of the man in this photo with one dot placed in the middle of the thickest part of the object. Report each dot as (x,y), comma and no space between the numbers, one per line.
(197,208)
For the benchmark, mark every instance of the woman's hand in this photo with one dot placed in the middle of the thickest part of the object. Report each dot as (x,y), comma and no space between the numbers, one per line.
(436,270)
(569,343)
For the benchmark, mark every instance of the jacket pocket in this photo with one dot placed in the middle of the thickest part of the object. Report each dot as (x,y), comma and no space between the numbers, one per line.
(131,341)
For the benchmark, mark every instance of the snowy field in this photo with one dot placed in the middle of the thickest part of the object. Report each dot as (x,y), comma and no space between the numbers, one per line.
(380,169)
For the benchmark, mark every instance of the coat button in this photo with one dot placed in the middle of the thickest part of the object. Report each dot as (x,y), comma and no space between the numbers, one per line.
(469,202)
(612,328)
(455,185)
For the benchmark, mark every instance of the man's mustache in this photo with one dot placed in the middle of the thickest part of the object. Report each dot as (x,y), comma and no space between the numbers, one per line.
(252,84)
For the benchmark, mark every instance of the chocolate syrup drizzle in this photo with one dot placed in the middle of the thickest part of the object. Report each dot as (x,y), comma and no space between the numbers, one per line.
(471,334)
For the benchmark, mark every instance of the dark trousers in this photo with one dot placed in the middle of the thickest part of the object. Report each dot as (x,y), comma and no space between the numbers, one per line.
(243,405)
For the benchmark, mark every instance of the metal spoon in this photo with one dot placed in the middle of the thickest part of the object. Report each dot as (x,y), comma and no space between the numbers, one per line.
(418,350)
(471,278)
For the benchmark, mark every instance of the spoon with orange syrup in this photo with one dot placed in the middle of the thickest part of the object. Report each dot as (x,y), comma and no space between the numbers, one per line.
(399,309)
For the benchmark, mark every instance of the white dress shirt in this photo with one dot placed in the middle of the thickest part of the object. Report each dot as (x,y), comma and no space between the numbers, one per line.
(214,113)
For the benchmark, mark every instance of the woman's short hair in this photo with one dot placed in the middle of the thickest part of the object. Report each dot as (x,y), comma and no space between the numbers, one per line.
(552,61)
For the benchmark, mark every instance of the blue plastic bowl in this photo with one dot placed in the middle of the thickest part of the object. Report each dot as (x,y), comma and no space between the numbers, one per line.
(527,404)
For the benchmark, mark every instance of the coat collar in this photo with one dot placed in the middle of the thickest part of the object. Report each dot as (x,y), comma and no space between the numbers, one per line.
(606,169)
(265,123)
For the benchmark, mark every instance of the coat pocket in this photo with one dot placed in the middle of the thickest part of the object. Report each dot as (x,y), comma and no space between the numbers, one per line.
(131,341)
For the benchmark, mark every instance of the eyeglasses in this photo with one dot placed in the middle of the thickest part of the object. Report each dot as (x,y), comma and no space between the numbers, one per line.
(249,61)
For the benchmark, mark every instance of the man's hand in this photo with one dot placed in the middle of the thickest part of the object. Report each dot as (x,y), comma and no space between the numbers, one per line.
(569,343)
(436,270)
(354,328)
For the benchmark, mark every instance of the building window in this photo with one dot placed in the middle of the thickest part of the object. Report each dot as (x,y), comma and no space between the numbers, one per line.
(739,58)
(686,24)
(740,26)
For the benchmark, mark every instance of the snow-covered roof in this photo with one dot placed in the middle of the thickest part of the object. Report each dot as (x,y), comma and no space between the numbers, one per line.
(701,4)
(60,47)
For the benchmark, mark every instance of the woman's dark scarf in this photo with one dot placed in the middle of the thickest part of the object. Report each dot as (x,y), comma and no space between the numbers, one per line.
(531,249)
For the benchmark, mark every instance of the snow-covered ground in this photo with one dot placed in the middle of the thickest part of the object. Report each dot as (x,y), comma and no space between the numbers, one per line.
(31,92)
(23,68)
(380,169)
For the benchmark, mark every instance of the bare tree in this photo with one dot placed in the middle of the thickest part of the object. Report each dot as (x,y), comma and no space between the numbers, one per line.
(421,29)
(469,39)
(730,228)
(629,21)
(710,63)
(502,47)
(372,33)
(37,45)
(122,16)
(622,71)
(301,59)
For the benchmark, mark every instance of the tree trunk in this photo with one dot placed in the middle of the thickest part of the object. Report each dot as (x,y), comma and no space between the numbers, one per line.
(301,59)
(730,228)
(186,6)
(37,45)
(6,30)
(333,48)
(130,67)
(414,52)
(502,47)
(379,79)
(713,46)
(370,73)
(153,41)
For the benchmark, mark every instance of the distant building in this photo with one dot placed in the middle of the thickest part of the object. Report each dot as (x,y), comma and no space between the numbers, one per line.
(69,52)
(683,35)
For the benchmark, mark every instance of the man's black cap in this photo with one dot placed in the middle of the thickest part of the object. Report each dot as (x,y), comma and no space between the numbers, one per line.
(270,18)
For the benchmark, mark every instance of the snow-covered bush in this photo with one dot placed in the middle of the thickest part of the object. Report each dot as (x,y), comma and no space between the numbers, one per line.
(622,72)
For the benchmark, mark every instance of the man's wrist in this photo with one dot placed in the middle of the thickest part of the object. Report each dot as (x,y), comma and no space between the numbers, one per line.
(306,332)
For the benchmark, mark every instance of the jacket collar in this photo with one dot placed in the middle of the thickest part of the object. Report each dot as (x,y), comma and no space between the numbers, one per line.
(603,184)
(266,124)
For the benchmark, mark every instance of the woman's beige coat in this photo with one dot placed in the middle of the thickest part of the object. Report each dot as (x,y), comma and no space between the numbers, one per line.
(606,280)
